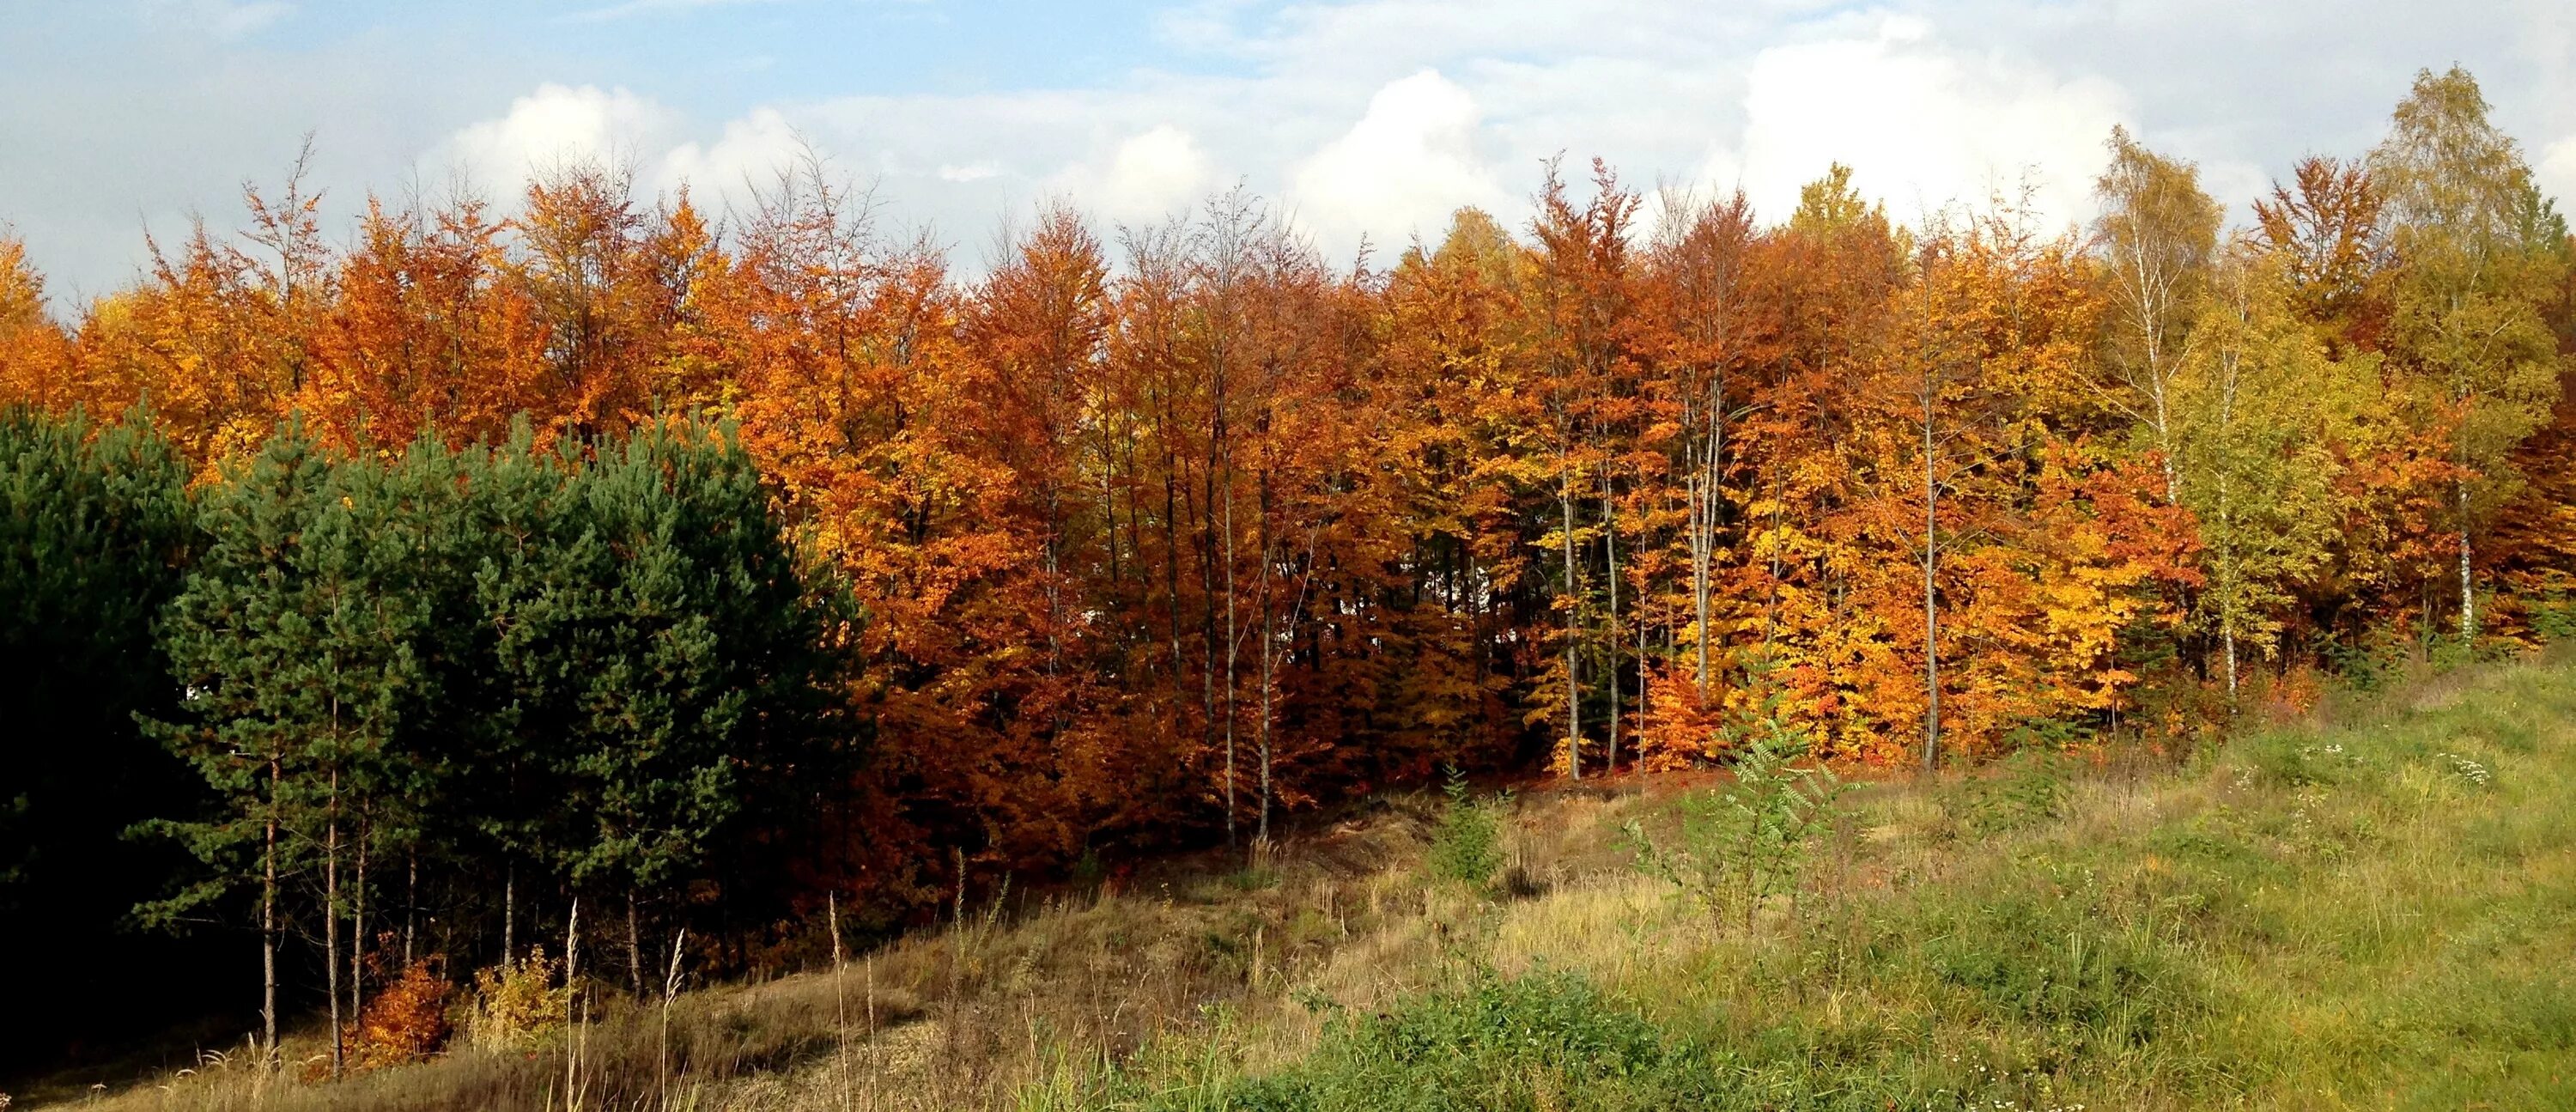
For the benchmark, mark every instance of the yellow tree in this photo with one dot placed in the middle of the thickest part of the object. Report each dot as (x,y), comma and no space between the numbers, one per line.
(35,356)
(1698,268)
(2265,415)
(2154,240)
(1454,390)
(2467,326)
(1589,341)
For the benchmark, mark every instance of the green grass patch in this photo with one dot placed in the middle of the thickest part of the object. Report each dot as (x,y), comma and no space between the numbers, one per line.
(2376,913)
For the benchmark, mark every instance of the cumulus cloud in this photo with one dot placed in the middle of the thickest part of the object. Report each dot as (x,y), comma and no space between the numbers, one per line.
(1149,176)
(554,126)
(1406,165)
(566,125)
(1921,125)
(747,157)
(1351,114)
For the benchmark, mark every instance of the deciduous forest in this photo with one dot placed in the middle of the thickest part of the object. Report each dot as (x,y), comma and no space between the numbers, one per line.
(589,564)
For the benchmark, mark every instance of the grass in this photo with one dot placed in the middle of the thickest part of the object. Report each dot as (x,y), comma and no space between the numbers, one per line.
(2373,909)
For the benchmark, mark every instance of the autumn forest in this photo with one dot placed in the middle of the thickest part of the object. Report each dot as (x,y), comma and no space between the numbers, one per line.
(409,589)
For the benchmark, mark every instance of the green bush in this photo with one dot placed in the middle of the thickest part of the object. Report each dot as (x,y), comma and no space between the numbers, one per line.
(1536,1041)
(2026,790)
(2553,616)
(1742,845)
(1467,845)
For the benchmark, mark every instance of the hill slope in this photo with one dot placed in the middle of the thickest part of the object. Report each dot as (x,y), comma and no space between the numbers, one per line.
(2372,911)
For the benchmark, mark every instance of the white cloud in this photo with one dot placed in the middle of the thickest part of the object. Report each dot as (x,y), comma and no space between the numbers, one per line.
(748,157)
(1320,106)
(2556,173)
(1149,176)
(560,125)
(1406,165)
(554,126)
(1920,124)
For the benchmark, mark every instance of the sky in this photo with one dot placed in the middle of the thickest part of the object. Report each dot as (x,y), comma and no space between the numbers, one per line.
(1358,120)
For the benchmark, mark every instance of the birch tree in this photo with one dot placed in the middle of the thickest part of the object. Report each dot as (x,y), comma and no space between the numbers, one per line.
(2154,238)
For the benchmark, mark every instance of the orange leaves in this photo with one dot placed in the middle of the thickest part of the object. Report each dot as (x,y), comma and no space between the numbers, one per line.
(405,1021)
(35,356)
(1145,541)
(426,335)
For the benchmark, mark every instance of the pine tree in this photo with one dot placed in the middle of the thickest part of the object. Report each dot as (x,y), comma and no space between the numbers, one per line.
(94,538)
(292,641)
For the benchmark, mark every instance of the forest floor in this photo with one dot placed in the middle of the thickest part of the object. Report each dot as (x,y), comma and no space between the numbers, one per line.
(2371,908)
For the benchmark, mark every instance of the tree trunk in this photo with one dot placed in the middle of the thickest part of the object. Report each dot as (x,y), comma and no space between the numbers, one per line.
(358,927)
(1610,627)
(1703,523)
(2468,586)
(1644,707)
(2231,591)
(1269,657)
(1231,633)
(411,900)
(634,944)
(1172,555)
(268,926)
(1573,638)
(1931,610)
(331,922)
(510,912)
(1269,688)
(2227,639)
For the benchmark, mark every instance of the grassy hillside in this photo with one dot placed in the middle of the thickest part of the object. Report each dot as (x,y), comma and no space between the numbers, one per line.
(2373,910)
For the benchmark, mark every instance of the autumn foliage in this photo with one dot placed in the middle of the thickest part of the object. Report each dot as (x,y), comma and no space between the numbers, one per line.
(406,1022)
(1161,532)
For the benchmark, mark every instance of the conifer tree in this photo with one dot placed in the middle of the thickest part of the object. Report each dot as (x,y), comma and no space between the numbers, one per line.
(94,535)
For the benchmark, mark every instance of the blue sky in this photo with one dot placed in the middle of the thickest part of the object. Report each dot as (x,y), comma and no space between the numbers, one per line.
(1355,117)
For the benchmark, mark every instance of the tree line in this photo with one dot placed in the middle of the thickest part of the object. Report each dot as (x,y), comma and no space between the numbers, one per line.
(1160,535)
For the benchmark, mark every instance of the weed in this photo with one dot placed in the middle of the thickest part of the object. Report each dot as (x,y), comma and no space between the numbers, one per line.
(2026,789)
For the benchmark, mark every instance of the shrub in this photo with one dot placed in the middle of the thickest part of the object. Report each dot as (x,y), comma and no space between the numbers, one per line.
(2026,789)
(518,1003)
(1745,843)
(2553,616)
(1535,1041)
(406,1022)
(1467,845)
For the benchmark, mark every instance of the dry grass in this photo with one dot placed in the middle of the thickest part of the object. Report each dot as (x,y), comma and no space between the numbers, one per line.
(972,1014)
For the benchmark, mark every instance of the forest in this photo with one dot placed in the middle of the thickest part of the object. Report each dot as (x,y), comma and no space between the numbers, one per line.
(592,566)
